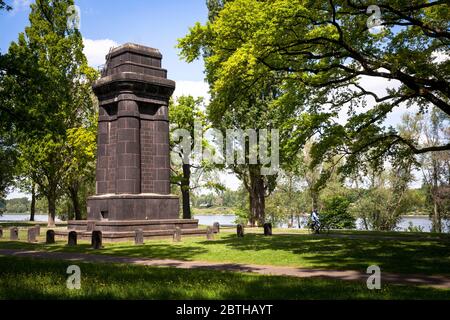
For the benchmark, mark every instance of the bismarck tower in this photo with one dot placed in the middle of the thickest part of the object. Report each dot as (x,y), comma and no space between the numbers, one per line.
(133,159)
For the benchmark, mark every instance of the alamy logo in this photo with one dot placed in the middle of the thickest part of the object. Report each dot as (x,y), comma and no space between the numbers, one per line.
(239,146)
(74,280)
(374,22)
(374,280)
(74,17)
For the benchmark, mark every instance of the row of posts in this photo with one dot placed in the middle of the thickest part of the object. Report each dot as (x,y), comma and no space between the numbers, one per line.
(96,239)
(32,233)
(267,230)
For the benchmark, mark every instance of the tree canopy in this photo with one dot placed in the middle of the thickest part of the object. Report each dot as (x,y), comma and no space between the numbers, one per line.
(46,100)
(321,54)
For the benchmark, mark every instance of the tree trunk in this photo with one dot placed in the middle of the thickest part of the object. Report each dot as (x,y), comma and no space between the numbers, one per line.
(51,198)
(33,201)
(73,192)
(314,199)
(436,220)
(257,198)
(185,191)
(435,196)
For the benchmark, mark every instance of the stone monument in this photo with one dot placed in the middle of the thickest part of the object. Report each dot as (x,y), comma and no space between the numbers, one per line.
(133,159)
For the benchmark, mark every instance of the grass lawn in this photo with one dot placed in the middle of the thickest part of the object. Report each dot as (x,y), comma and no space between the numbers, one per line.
(24,278)
(424,255)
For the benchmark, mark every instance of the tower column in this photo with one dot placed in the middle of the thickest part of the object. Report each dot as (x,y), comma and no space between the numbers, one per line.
(128,177)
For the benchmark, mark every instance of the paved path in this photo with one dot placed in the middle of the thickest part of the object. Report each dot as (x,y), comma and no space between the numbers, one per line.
(432,281)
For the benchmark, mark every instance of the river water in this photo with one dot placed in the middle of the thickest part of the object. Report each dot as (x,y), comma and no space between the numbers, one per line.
(25,217)
(422,222)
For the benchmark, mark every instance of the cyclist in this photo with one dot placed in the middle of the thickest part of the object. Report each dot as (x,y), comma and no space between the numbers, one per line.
(315,221)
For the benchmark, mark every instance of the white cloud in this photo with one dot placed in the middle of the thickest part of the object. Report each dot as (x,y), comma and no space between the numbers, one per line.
(193,88)
(378,85)
(96,50)
(20,5)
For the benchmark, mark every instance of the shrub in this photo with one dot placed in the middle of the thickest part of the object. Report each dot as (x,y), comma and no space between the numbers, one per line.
(335,214)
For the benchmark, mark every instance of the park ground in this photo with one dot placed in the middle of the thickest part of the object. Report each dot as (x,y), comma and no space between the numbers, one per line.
(396,253)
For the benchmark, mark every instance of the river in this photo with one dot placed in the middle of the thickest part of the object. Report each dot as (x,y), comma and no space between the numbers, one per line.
(420,221)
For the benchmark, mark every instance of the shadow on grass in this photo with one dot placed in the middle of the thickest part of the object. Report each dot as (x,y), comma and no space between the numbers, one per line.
(428,257)
(149,250)
(39,279)
(326,252)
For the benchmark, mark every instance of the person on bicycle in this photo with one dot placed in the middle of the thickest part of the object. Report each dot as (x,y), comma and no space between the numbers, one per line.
(315,220)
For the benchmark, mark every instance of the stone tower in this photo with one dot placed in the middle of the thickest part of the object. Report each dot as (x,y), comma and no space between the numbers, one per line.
(133,164)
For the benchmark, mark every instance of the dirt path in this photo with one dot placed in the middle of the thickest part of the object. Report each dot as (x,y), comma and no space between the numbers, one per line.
(432,281)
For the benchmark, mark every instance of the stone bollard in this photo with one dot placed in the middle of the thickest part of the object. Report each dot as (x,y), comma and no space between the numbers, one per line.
(177,234)
(216,227)
(72,239)
(209,233)
(96,240)
(267,229)
(50,237)
(32,233)
(1,232)
(139,236)
(38,230)
(14,233)
(240,230)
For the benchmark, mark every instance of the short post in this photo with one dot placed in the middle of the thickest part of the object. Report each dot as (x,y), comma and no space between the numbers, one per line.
(209,233)
(216,227)
(38,229)
(50,237)
(267,229)
(96,240)
(32,232)
(139,236)
(240,230)
(72,239)
(14,233)
(177,234)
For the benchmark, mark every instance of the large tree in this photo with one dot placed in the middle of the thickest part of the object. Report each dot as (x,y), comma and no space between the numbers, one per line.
(238,105)
(46,93)
(326,51)
(191,172)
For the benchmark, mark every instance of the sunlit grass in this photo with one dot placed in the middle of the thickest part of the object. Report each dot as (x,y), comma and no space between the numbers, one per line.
(403,255)
(24,278)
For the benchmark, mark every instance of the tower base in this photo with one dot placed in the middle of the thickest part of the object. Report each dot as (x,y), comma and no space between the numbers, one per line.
(142,206)
(118,216)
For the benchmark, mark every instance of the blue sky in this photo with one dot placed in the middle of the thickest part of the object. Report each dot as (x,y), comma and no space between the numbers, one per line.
(154,23)
(106,23)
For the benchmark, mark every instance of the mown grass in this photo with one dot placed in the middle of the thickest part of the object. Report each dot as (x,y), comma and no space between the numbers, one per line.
(421,255)
(24,278)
